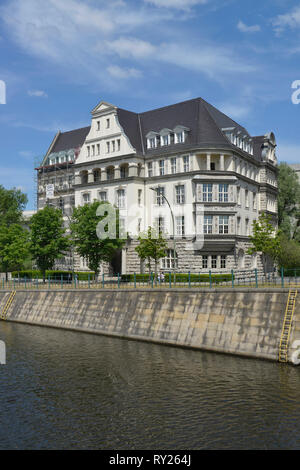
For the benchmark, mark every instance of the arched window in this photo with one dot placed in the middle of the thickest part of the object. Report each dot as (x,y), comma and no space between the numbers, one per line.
(84,177)
(97,175)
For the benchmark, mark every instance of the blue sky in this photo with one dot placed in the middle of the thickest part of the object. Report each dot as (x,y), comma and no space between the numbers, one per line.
(60,58)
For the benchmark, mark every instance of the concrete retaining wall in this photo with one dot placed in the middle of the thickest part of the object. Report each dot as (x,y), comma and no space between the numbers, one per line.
(240,321)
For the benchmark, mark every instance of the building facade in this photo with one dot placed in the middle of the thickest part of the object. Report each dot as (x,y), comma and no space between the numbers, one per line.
(186,169)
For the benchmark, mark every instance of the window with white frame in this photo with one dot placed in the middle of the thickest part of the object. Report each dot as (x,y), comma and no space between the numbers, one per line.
(173,165)
(180,194)
(223,224)
(151,142)
(107,147)
(247,227)
(238,190)
(186,163)
(165,139)
(180,137)
(62,204)
(161,167)
(140,192)
(223,262)
(170,261)
(223,192)
(121,198)
(239,226)
(208,219)
(139,226)
(86,197)
(254,201)
(214,260)
(204,262)
(246,197)
(150,169)
(103,196)
(160,192)
(207,192)
(122,227)
(160,224)
(180,229)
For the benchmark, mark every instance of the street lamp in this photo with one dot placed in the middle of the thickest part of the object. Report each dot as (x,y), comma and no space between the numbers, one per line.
(72,248)
(173,223)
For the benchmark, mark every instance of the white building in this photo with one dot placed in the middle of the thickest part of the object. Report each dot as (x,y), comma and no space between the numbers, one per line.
(215,176)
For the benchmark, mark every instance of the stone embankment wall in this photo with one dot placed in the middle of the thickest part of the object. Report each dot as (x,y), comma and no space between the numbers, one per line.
(238,321)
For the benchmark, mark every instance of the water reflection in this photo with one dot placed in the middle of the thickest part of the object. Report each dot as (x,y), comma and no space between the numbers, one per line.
(67,390)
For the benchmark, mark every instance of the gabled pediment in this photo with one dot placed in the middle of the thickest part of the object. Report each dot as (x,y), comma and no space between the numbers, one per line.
(103,106)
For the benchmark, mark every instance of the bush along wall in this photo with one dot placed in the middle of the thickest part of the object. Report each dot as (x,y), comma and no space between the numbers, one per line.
(56,275)
(180,277)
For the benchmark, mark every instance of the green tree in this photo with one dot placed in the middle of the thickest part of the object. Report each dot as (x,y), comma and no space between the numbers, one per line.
(289,256)
(86,241)
(152,246)
(13,237)
(12,204)
(265,239)
(48,238)
(14,247)
(288,202)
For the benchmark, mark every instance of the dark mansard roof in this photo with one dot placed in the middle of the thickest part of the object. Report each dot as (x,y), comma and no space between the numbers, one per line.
(203,121)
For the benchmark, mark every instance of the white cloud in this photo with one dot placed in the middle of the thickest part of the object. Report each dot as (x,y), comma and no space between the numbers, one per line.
(247,29)
(291,20)
(84,40)
(235,111)
(37,93)
(177,4)
(289,153)
(123,73)
(131,47)
(207,59)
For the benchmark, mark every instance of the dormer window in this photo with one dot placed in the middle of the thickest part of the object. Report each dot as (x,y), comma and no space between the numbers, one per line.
(165,137)
(152,140)
(180,133)
(179,137)
(165,140)
(152,143)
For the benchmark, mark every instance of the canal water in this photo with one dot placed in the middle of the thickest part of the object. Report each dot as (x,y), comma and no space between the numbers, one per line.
(67,390)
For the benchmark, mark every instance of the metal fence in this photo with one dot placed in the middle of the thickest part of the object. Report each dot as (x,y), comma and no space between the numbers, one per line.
(235,278)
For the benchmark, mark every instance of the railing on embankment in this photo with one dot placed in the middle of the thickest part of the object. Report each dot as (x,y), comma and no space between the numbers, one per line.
(212,279)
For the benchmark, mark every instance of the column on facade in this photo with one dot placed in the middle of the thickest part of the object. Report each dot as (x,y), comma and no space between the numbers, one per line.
(133,169)
(103,174)
(222,162)
(90,176)
(117,174)
(208,161)
(77,179)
